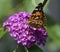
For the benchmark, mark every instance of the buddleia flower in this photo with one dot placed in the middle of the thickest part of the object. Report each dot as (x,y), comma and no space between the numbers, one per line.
(27,29)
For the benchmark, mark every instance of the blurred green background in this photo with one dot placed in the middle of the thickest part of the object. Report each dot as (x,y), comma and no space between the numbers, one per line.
(52,12)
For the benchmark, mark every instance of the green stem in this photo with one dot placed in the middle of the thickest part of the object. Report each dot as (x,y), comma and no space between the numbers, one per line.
(15,50)
(26,49)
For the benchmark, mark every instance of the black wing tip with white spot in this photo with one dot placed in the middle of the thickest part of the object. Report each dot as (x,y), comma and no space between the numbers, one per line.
(38,8)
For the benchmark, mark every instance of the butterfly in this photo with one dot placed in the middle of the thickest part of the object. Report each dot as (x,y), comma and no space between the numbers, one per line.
(37,18)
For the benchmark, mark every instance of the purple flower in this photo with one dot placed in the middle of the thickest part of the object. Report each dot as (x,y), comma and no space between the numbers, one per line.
(22,32)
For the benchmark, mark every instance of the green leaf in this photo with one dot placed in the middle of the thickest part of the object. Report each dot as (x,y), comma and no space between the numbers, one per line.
(34,48)
(33,2)
(2,32)
(54,33)
(28,6)
(5,6)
